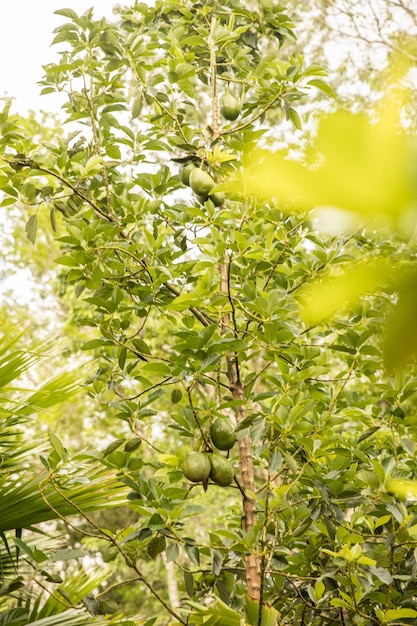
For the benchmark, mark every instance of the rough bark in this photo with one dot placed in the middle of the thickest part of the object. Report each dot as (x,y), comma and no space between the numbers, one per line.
(247,474)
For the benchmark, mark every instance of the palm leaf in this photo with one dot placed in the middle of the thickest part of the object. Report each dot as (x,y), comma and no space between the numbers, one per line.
(77,585)
(14,450)
(72,617)
(30,495)
(55,390)
(27,495)
(13,361)
(25,501)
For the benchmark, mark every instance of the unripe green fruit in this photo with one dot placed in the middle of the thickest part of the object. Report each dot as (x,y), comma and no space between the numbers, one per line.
(221,472)
(196,467)
(229,107)
(202,199)
(201,182)
(185,171)
(222,434)
(217,198)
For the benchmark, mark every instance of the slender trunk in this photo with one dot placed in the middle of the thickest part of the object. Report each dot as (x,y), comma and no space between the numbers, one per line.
(252,560)
(172,585)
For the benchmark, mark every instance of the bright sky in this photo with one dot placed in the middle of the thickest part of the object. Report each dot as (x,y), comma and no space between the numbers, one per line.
(26,32)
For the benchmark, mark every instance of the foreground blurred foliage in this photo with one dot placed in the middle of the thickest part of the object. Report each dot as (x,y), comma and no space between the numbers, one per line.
(364,166)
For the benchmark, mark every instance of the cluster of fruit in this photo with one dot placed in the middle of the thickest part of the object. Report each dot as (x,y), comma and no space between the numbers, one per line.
(200,181)
(200,466)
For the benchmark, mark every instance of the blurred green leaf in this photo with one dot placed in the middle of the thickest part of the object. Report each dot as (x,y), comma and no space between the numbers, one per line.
(362,166)
(401,329)
(341,288)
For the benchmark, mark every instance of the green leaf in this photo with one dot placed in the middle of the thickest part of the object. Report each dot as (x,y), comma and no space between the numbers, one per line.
(292,115)
(69,261)
(93,165)
(315,70)
(91,604)
(219,614)
(113,446)
(113,151)
(137,106)
(320,84)
(133,444)
(189,583)
(122,357)
(172,552)
(193,553)
(339,603)
(67,554)
(67,13)
(217,562)
(382,574)
(184,301)
(52,218)
(57,446)
(13,585)
(395,614)
(31,228)
(156,546)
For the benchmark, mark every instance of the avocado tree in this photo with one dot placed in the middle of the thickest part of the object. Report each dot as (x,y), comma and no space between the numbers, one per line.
(289,434)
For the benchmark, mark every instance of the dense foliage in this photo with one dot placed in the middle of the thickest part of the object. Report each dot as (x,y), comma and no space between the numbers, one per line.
(191,301)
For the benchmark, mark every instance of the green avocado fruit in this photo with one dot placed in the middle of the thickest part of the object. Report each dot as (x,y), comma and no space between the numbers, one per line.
(221,472)
(229,107)
(202,199)
(196,467)
(201,182)
(217,198)
(222,434)
(185,171)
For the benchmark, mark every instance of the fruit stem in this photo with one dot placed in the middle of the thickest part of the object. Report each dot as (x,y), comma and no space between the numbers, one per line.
(207,445)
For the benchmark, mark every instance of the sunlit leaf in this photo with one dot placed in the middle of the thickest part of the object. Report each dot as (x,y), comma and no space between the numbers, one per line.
(404,488)
(341,288)
(31,228)
(362,167)
(401,330)
(396,614)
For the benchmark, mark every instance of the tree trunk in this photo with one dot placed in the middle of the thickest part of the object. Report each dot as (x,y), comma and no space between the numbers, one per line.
(172,585)
(252,561)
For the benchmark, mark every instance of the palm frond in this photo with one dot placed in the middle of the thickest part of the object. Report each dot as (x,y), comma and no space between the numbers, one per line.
(16,359)
(26,501)
(12,561)
(16,448)
(72,617)
(78,585)
(30,495)
(55,390)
